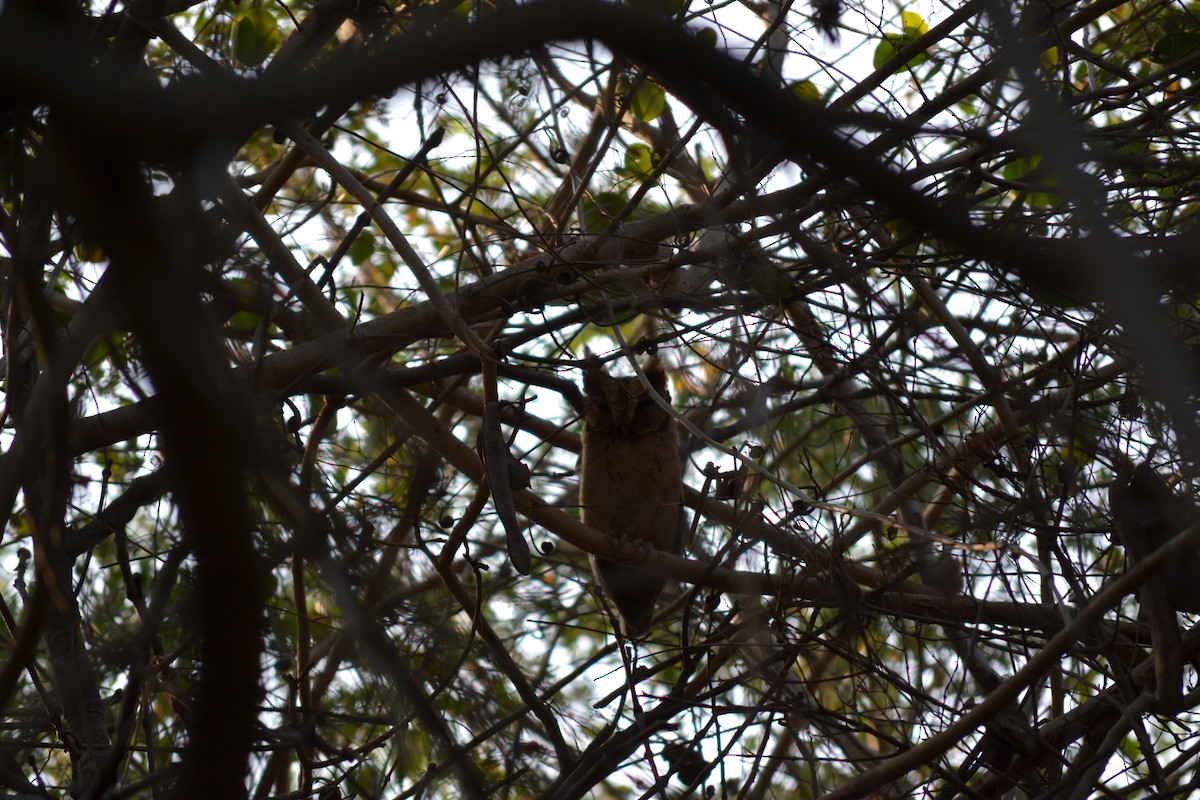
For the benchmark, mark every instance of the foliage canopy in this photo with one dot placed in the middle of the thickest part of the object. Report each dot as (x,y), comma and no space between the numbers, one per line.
(287,287)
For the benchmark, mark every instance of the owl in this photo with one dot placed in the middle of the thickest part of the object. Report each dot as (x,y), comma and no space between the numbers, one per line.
(1146,514)
(631,483)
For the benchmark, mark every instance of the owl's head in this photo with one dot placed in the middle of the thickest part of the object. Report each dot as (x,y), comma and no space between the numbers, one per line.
(622,406)
(1139,497)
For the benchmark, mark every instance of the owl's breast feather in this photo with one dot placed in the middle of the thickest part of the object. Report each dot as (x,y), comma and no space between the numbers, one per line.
(632,490)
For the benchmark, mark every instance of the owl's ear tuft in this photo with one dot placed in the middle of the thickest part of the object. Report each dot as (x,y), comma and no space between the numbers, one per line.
(593,371)
(656,373)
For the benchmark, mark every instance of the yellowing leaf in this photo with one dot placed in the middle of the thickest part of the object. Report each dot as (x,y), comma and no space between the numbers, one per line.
(891,44)
(90,252)
(913,24)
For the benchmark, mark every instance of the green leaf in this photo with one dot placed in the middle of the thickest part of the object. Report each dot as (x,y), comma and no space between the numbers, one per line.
(363,247)
(891,44)
(1025,170)
(103,348)
(255,36)
(913,27)
(1174,46)
(772,283)
(1017,169)
(1132,748)
(648,101)
(806,91)
(640,160)
(600,209)
(246,320)
(886,48)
